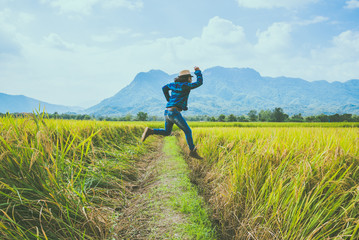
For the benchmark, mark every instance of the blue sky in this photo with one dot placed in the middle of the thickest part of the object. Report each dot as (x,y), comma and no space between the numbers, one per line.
(78,52)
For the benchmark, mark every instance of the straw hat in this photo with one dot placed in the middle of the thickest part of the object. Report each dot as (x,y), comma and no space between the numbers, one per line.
(185,73)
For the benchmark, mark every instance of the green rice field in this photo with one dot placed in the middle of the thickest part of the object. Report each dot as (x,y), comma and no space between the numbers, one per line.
(67,179)
(62,179)
(281,182)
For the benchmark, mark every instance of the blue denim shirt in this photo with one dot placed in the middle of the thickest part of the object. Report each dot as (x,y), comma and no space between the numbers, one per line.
(180,91)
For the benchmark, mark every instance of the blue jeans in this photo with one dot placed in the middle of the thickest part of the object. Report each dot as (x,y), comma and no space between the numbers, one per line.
(175,117)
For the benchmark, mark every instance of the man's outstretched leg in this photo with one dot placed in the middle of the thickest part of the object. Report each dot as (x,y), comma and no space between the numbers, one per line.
(164,132)
(148,131)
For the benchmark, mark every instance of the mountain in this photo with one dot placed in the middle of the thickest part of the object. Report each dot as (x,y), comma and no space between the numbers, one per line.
(20,104)
(237,91)
(144,93)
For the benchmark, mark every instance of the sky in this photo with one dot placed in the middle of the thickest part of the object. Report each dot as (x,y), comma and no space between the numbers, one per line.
(79,52)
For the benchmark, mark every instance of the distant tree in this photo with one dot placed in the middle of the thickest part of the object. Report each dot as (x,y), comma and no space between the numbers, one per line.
(128,117)
(153,118)
(297,118)
(212,119)
(56,115)
(221,118)
(141,116)
(346,117)
(253,117)
(322,118)
(87,117)
(334,118)
(242,118)
(279,115)
(231,118)
(310,119)
(196,118)
(80,117)
(265,116)
(204,118)
(354,118)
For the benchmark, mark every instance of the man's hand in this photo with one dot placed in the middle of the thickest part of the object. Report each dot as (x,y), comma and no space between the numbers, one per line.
(196,68)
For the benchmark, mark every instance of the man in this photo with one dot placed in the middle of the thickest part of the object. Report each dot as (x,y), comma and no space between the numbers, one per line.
(177,102)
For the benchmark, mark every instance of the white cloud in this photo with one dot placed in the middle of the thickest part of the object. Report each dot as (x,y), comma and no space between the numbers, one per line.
(77,6)
(11,20)
(315,20)
(344,49)
(130,4)
(5,15)
(104,38)
(274,3)
(221,42)
(86,6)
(338,62)
(10,37)
(274,39)
(111,35)
(55,41)
(8,46)
(346,45)
(352,4)
(222,31)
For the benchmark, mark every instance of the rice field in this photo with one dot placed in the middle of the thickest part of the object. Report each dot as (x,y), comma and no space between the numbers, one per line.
(259,124)
(64,179)
(67,179)
(280,182)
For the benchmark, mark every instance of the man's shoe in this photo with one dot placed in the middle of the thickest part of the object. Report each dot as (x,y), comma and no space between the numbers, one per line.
(194,154)
(148,131)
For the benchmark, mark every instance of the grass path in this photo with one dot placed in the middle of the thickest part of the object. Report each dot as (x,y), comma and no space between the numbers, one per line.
(165,204)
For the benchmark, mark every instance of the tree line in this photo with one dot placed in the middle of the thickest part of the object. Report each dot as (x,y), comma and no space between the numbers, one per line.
(278,115)
(275,115)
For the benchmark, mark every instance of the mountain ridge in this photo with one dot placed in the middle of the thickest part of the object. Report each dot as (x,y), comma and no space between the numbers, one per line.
(23,104)
(234,91)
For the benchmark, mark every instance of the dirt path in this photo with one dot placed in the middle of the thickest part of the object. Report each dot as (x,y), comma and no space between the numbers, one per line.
(165,205)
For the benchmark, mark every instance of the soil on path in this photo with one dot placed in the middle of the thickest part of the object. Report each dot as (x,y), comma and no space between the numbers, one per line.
(159,208)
